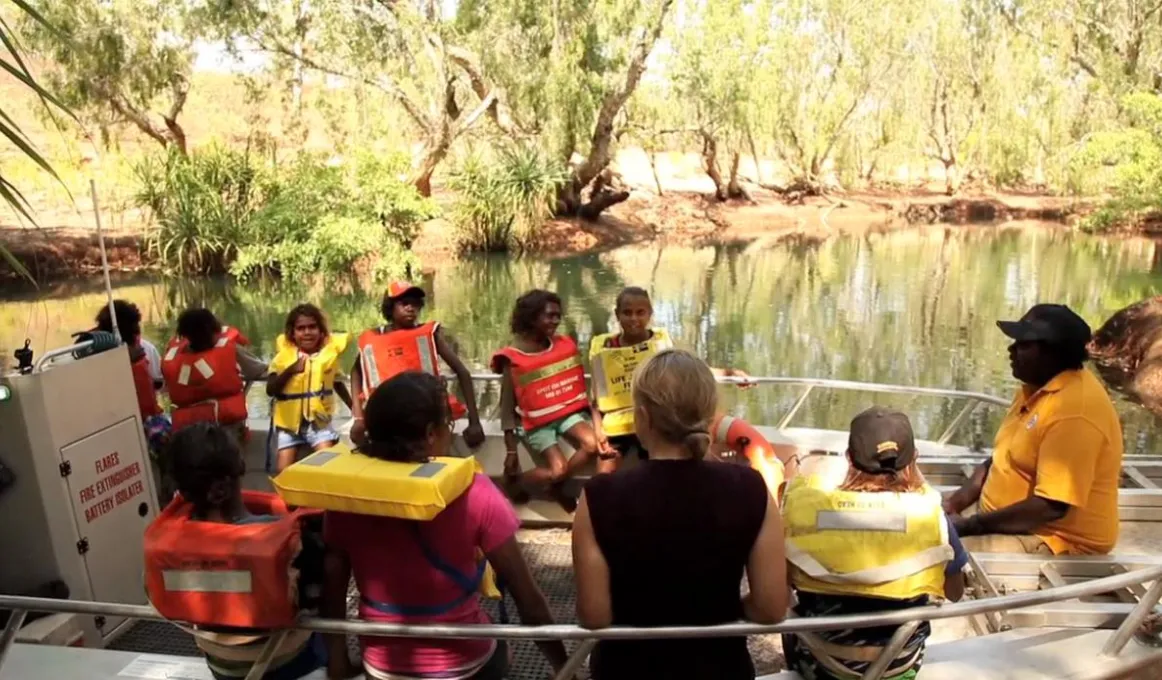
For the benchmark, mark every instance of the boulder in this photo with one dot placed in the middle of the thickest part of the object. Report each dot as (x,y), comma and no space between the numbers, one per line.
(1127,351)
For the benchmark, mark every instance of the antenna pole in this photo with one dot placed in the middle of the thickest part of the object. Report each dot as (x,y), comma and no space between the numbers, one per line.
(104,258)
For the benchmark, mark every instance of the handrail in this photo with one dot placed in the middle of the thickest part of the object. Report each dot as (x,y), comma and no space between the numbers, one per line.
(59,352)
(571,632)
(828,382)
(974,398)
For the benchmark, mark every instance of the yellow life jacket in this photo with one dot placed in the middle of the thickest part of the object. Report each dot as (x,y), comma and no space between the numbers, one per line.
(310,395)
(613,369)
(876,544)
(340,480)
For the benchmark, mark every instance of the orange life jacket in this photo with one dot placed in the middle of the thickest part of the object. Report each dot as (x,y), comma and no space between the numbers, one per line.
(229,331)
(549,385)
(205,386)
(143,385)
(384,352)
(236,575)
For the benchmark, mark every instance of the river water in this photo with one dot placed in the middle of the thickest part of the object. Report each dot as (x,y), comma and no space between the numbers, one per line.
(909,307)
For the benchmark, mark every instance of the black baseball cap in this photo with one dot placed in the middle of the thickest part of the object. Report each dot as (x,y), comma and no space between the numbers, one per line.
(881,441)
(1054,324)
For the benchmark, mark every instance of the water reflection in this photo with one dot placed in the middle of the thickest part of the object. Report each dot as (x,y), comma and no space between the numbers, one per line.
(910,307)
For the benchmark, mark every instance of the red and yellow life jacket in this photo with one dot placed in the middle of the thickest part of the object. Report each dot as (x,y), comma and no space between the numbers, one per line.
(143,386)
(205,386)
(549,385)
(385,352)
(236,575)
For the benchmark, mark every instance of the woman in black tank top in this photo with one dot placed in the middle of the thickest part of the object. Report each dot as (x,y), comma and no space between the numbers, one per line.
(666,543)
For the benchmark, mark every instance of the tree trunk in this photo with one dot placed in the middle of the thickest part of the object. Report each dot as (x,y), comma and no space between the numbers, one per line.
(654,169)
(177,135)
(754,153)
(434,152)
(734,189)
(951,176)
(600,145)
(710,162)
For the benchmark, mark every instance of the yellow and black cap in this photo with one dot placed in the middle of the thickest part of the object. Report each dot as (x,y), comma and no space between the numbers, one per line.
(881,441)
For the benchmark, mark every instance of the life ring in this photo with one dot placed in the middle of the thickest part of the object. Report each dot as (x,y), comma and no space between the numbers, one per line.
(744,440)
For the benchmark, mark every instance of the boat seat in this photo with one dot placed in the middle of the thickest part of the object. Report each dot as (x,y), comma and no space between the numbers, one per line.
(1027,654)
(37,662)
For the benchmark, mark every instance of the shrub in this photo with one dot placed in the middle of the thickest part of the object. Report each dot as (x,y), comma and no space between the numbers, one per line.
(500,205)
(1127,162)
(201,204)
(220,210)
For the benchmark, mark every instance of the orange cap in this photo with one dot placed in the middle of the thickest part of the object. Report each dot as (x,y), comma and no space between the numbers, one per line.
(398,289)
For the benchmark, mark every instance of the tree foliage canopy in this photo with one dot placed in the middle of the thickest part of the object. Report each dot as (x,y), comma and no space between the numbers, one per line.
(839,92)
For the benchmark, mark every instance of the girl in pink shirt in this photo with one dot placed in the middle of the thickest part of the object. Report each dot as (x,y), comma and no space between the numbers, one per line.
(427,571)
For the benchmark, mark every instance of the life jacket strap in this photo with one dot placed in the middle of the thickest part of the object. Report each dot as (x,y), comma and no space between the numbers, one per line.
(470,585)
(304,395)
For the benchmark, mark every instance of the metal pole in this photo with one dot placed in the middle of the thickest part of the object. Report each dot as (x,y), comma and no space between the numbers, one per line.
(59,352)
(982,582)
(956,422)
(570,632)
(795,408)
(104,258)
(1137,615)
(266,655)
(576,659)
(15,621)
(832,384)
(900,638)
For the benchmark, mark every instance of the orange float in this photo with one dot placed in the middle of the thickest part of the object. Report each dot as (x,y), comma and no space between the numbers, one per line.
(742,438)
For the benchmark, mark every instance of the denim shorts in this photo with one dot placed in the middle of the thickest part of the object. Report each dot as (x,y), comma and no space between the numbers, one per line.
(309,434)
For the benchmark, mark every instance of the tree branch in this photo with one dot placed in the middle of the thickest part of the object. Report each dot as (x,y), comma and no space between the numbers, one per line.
(599,150)
(414,109)
(497,111)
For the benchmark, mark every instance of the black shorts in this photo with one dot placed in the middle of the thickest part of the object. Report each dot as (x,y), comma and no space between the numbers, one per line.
(627,444)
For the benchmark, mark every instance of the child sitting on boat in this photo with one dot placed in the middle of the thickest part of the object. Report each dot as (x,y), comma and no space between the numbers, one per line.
(404,344)
(415,571)
(303,382)
(614,357)
(207,467)
(867,537)
(544,384)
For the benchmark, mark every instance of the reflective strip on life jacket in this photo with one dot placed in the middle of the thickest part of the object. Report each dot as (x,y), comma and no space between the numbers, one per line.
(526,379)
(541,413)
(870,576)
(197,581)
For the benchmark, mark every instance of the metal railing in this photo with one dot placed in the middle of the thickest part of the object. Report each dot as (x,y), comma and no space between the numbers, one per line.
(974,399)
(1113,646)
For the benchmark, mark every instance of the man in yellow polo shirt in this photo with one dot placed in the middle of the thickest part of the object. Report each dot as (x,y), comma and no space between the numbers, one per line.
(1052,483)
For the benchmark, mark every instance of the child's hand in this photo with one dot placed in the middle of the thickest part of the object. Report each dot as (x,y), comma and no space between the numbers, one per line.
(300,365)
(736,373)
(474,435)
(358,432)
(511,464)
(603,445)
